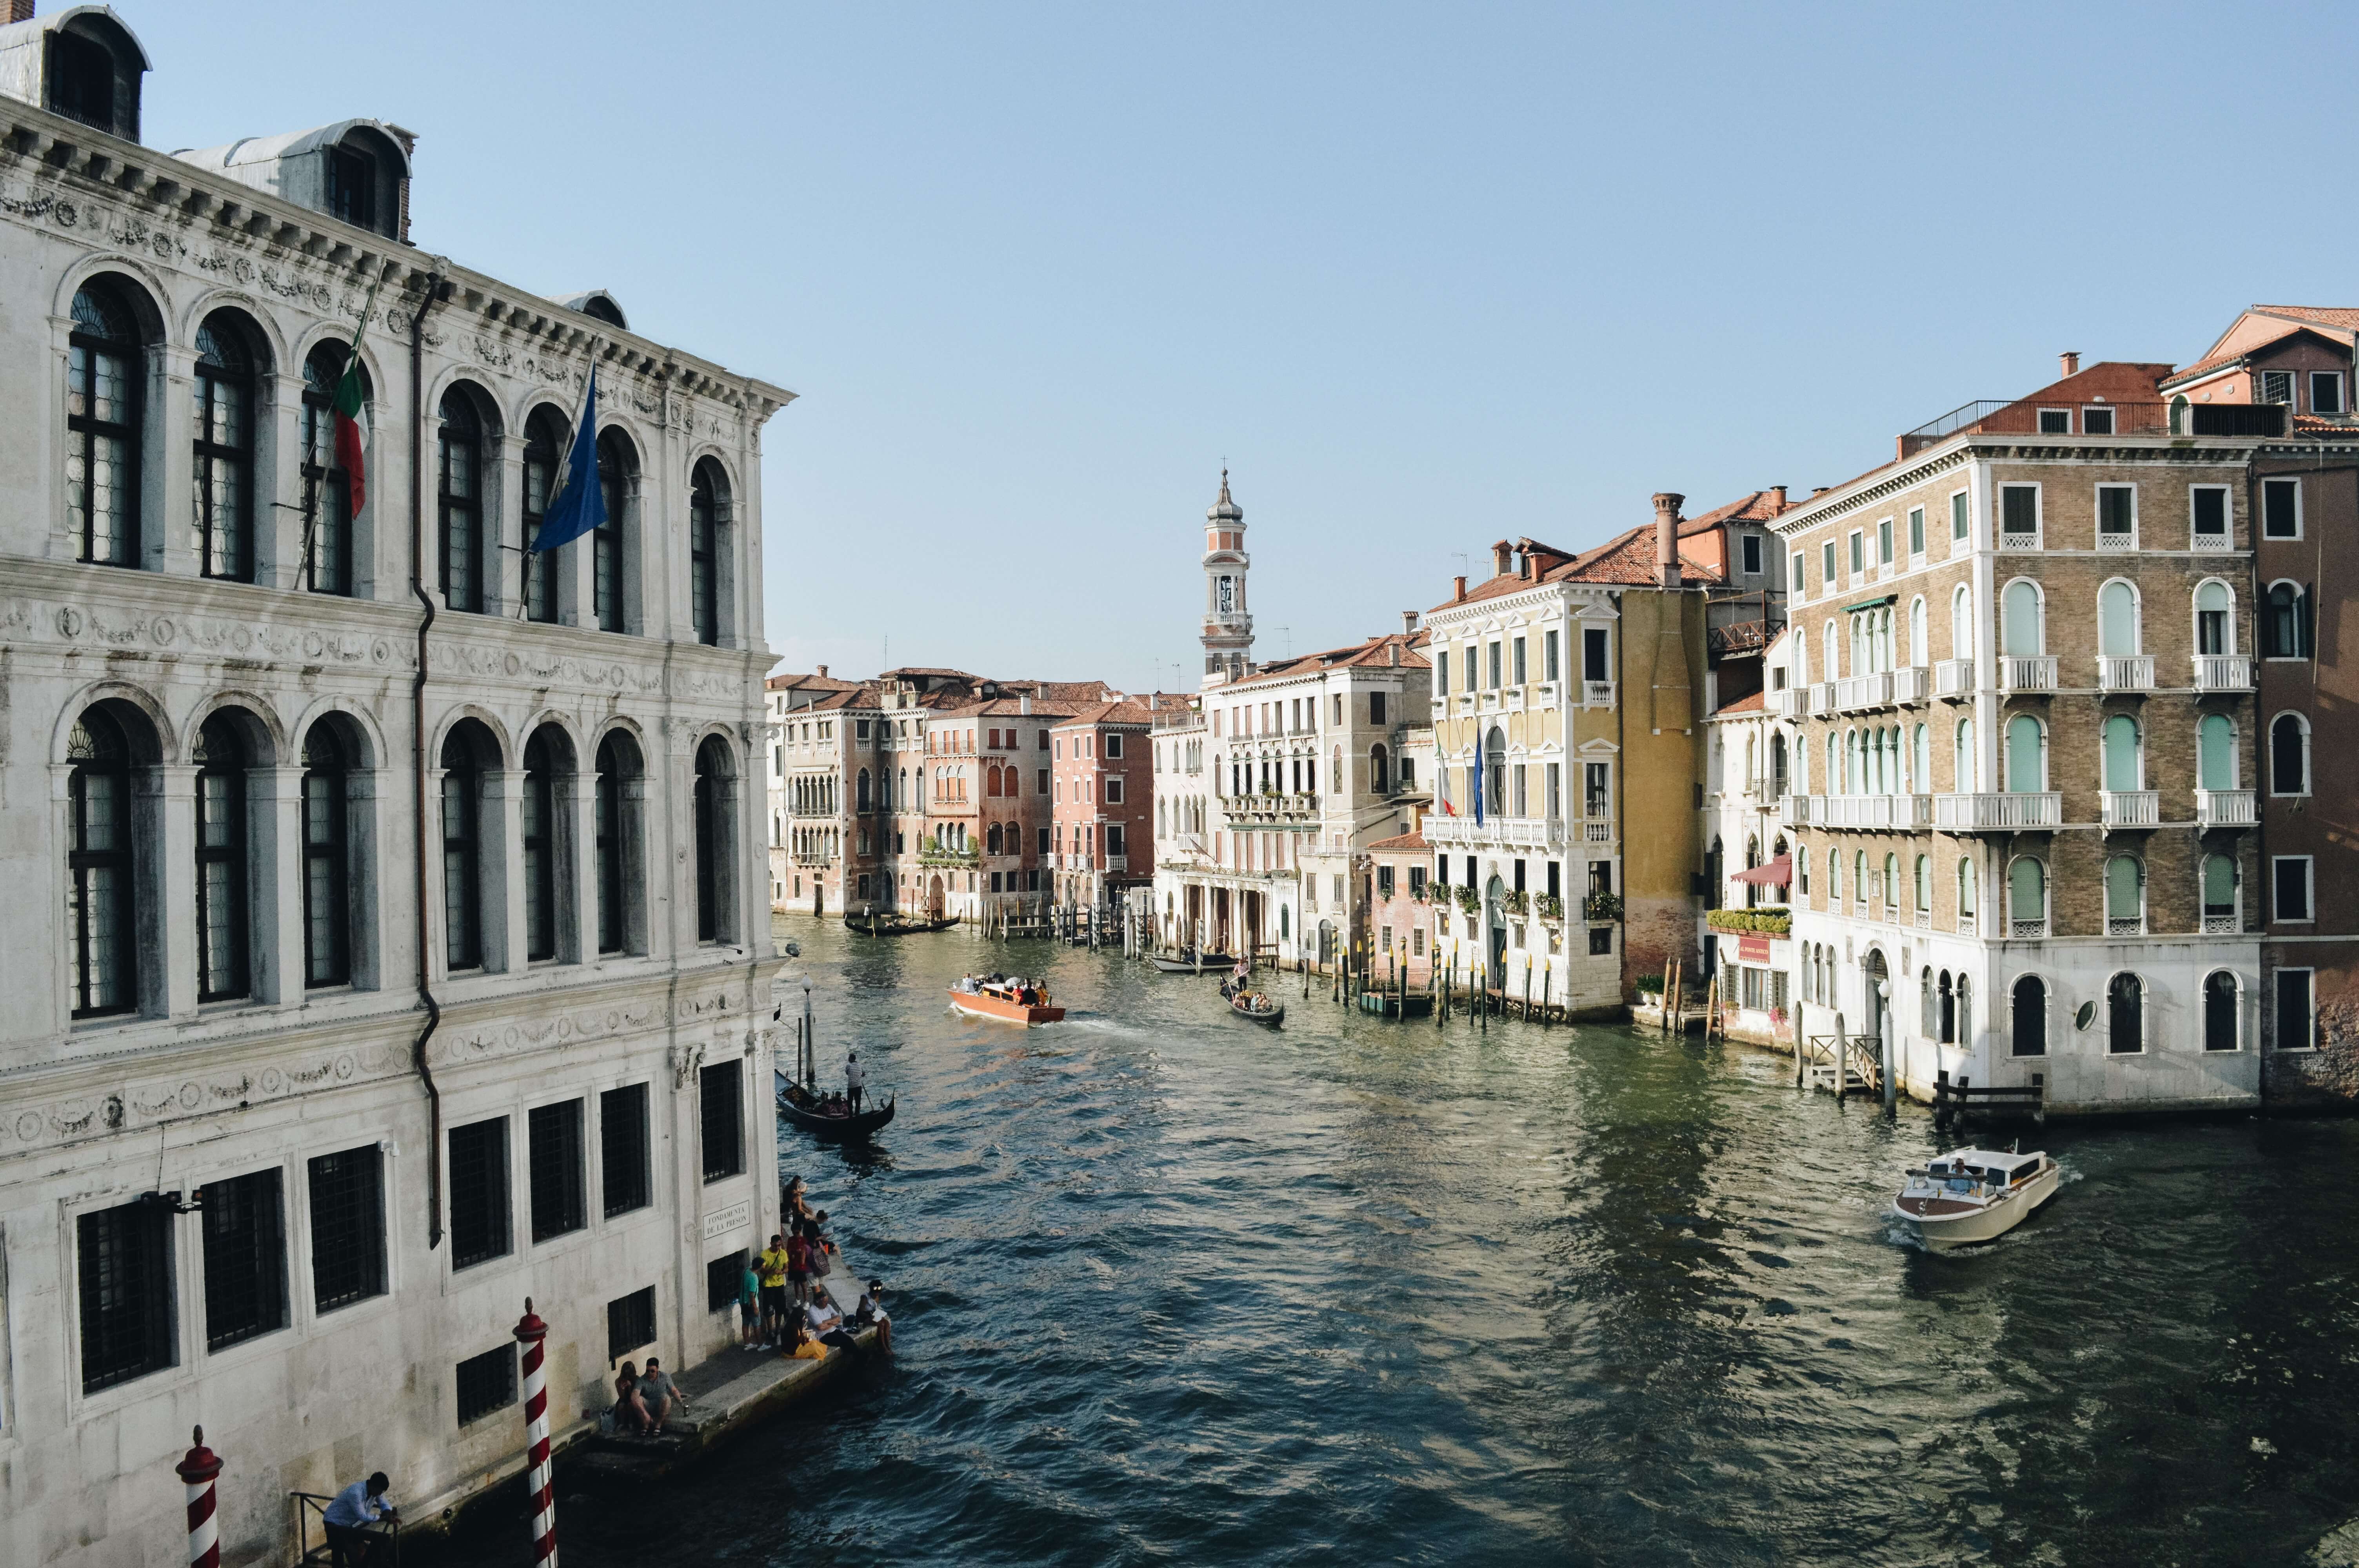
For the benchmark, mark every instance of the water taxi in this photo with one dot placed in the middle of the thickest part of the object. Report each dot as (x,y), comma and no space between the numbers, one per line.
(1974,1195)
(1012,1001)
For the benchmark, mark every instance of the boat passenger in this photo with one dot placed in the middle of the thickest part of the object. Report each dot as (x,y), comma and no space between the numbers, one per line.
(853,1080)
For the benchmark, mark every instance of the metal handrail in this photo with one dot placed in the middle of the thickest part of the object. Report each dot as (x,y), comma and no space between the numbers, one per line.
(309,1503)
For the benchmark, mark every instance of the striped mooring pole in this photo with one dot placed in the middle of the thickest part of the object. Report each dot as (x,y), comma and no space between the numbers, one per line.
(529,1332)
(198,1471)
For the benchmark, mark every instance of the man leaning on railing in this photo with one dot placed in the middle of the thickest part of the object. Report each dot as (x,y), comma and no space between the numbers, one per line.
(349,1521)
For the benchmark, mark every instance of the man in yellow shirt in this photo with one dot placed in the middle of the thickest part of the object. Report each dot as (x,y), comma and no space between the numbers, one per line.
(772,1267)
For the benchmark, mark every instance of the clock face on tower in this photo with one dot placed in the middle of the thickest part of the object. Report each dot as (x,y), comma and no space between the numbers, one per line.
(1224,595)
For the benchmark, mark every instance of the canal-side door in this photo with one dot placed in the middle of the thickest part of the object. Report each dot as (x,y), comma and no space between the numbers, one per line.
(934,897)
(1878,1001)
(1494,902)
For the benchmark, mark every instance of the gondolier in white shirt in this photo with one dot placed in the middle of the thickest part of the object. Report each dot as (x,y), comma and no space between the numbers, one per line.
(853,1079)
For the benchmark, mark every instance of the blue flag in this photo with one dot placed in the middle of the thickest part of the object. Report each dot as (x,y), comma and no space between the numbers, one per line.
(1478,780)
(581,504)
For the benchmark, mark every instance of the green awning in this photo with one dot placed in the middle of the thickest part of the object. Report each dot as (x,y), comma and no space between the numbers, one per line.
(1871,604)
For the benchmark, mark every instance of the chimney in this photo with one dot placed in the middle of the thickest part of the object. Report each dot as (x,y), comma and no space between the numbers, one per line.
(822,672)
(1458,593)
(1408,623)
(1499,554)
(2071,358)
(1777,497)
(1524,564)
(1820,488)
(1392,654)
(20,10)
(1024,703)
(1667,537)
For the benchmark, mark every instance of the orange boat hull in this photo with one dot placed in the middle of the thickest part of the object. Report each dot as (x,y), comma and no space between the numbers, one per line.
(984,1005)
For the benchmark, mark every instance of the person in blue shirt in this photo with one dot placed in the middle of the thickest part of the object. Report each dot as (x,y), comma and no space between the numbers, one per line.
(348,1518)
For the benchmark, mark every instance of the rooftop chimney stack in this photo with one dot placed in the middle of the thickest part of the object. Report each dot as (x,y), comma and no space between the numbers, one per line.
(1667,537)
(1500,553)
(1392,654)
(1458,593)
(20,10)
(2071,361)
(1777,497)
(1408,623)
(822,672)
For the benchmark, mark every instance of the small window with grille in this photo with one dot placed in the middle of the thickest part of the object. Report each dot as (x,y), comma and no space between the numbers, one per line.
(723,1277)
(2277,386)
(479,1193)
(623,1148)
(245,1257)
(630,1323)
(487,1383)
(125,1256)
(347,1227)
(558,1201)
(723,1120)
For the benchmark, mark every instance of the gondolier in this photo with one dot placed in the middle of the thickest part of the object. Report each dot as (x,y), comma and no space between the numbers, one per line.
(853,1079)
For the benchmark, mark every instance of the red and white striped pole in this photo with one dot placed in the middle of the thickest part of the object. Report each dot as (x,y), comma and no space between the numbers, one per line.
(198,1471)
(530,1331)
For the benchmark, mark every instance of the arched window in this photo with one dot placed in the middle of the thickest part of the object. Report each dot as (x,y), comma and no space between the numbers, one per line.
(1379,773)
(1859,883)
(2221,1032)
(541,847)
(1335,773)
(1963,771)
(708,506)
(2026,897)
(1830,648)
(2221,915)
(1494,769)
(105,371)
(1834,878)
(1777,766)
(221,527)
(2123,759)
(2021,625)
(991,839)
(1835,767)
(101,892)
(1854,782)
(2117,620)
(2215,753)
(2285,626)
(2125,1015)
(2215,632)
(1803,869)
(2030,1021)
(1962,623)
(619,824)
(2026,770)
(2289,754)
(544,449)
(1920,649)
(861,790)
(1929,1015)
(1921,761)
(327,858)
(224,876)
(1967,882)
(328,488)
(459,500)
(1891,881)
(2125,896)
(1924,884)
(1946,1017)
(715,854)
(467,754)
(618,485)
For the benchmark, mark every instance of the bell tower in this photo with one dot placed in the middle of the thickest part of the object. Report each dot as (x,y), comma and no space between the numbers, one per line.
(1228,629)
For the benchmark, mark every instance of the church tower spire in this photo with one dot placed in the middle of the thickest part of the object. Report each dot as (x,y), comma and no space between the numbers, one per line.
(1228,629)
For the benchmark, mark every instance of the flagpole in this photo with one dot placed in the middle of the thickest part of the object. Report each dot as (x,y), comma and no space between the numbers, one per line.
(556,481)
(311,496)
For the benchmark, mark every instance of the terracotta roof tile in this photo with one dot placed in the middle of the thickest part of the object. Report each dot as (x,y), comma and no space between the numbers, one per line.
(1751,703)
(2342,318)
(1369,655)
(1407,841)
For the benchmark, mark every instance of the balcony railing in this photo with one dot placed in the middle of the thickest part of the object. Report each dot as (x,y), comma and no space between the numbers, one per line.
(2223,807)
(1954,678)
(1515,832)
(2130,807)
(1596,831)
(2223,672)
(2021,673)
(1798,810)
(2118,672)
(2012,541)
(2126,925)
(1823,698)
(2223,540)
(1924,919)
(1597,694)
(2224,925)
(1997,813)
(2027,930)
(2118,542)
(1792,702)
(1968,925)
(1911,684)
(2025,416)
(1857,694)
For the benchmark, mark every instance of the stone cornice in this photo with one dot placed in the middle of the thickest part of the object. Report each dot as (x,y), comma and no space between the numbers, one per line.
(1963,450)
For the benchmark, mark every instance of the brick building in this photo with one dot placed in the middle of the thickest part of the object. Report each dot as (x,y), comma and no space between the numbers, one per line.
(1400,917)
(1102,829)
(2023,799)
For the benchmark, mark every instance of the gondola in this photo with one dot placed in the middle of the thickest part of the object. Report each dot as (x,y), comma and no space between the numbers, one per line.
(874,927)
(1267,1012)
(1212,963)
(798,1107)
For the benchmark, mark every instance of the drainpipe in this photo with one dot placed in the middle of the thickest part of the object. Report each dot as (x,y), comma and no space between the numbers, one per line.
(437,289)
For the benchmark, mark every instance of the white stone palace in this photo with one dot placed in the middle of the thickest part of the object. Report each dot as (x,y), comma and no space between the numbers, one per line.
(387,928)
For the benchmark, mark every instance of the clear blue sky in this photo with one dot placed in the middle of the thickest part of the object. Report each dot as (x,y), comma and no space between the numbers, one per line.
(1424,276)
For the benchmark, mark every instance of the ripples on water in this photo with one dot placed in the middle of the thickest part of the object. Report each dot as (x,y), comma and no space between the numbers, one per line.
(1174,1288)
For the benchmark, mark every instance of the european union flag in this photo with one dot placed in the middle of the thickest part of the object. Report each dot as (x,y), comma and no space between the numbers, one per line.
(581,504)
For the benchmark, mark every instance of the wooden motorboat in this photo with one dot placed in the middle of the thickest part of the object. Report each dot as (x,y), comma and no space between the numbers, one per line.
(828,1117)
(872,927)
(1974,1195)
(1005,1000)
(1257,1007)
(1211,964)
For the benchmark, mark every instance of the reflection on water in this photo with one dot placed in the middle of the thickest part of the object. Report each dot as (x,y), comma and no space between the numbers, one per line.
(1176,1287)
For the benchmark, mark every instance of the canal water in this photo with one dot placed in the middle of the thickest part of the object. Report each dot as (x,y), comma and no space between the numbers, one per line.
(1171,1287)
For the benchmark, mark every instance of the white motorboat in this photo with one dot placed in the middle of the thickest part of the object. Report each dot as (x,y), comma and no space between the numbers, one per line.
(1974,1195)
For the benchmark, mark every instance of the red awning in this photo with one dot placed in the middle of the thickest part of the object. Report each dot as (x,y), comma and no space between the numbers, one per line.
(1778,873)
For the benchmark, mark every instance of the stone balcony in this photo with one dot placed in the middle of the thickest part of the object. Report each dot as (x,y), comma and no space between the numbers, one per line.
(1911,684)
(2020,673)
(1953,679)
(1999,813)
(1865,813)
(2125,672)
(2224,808)
(1822,699)
(1597,694)
(1542,833)
(1863,693)
(1792,702)
(2223,672)
(1290,811)
(2129,808)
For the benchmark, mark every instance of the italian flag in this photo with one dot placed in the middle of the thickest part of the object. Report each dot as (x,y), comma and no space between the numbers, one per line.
(347,407)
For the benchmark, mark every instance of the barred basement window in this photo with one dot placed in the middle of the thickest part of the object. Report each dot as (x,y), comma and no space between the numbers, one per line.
(125,1256)
(487,1383)
(723,1277)
(347,1227)
(479,1193)
(623,1148)
(720,1095)
(630,1323)
(245,1257)
(559,1205)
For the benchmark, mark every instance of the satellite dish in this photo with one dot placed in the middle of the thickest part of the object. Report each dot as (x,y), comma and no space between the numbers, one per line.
(2086,1016)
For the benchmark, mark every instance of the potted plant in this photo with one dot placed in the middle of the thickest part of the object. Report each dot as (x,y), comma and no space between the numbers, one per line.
(1551,907)
(1518,900)
(1469,900)
(1602,907)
